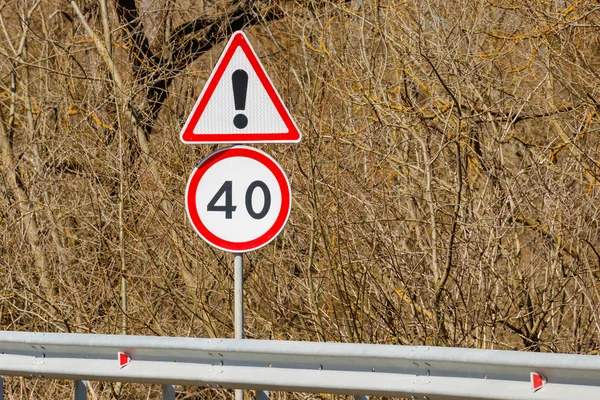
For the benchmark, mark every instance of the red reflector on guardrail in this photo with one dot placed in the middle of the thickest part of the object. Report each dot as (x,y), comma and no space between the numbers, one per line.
(124,359)
(537,381)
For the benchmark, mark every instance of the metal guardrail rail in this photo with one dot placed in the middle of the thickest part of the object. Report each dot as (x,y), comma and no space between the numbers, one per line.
(415,372)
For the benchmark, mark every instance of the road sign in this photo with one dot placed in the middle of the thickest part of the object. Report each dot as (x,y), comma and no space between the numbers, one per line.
(239,103)
(238,199)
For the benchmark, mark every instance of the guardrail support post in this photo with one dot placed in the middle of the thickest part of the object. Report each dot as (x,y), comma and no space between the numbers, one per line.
(168,392)
(262,395)
(361,397)
(80,390)
(1,388)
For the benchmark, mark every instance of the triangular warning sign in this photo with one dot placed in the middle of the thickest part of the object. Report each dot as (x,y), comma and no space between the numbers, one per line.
(239,103)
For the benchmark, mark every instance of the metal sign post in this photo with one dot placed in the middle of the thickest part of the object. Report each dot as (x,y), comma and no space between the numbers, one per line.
(238,293)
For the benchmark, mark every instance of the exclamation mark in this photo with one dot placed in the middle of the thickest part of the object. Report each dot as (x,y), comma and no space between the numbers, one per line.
(239,78)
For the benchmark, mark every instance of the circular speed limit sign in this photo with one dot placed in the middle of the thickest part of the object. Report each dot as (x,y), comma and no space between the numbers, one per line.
(238,199)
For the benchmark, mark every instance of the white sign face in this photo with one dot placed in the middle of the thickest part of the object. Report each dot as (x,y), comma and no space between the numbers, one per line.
(258,108)
(239,103)
(238,199)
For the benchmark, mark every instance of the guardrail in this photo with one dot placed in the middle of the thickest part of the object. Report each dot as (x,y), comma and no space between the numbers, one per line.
(415,372)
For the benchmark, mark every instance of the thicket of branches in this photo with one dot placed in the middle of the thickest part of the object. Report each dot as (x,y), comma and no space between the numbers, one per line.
(445,191)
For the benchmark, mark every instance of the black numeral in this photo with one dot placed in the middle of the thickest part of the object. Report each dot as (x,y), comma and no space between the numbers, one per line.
(266,195)
(228,207)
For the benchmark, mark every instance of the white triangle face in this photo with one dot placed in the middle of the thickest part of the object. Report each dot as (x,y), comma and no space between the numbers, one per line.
(261,114)
(239,103)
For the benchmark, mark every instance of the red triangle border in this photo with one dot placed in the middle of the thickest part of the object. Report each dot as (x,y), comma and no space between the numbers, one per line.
(187,135)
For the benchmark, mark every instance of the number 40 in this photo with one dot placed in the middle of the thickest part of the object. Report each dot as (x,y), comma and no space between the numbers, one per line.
(228,208)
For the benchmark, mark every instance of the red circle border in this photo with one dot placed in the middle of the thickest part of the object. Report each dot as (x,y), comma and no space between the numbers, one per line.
(205,165)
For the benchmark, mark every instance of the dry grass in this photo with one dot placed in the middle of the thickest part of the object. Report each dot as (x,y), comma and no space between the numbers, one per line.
(445,190)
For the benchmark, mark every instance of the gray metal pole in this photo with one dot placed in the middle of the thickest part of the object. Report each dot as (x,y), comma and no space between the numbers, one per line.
(1,388)
(238,293)
(168,392)
(80,390)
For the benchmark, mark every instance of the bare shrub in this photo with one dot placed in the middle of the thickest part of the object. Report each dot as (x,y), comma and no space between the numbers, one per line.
(445,189)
